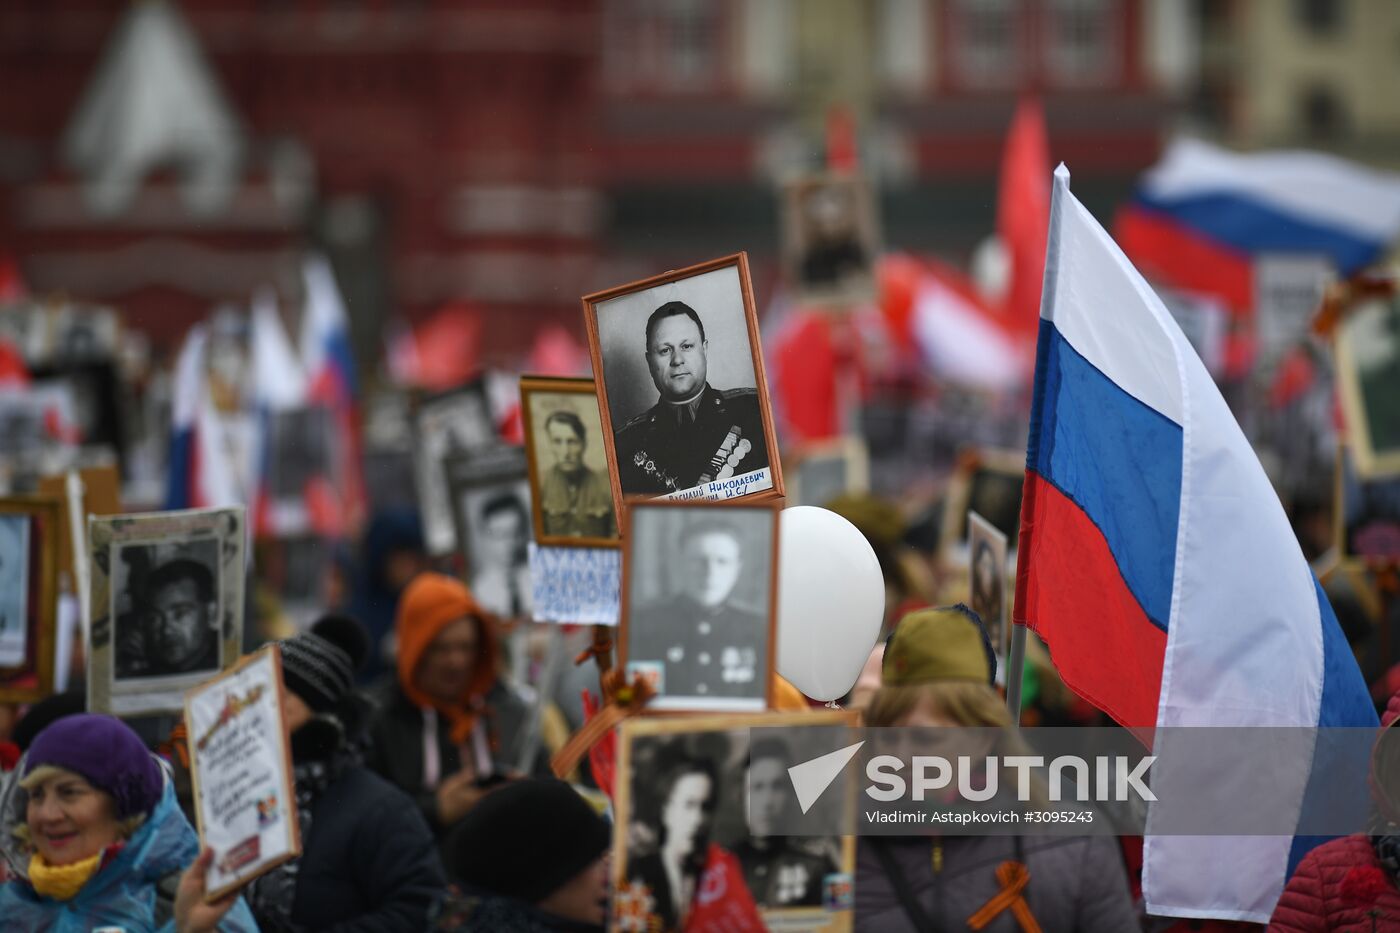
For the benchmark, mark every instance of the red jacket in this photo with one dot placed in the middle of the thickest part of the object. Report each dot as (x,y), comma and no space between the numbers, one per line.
(1339,886)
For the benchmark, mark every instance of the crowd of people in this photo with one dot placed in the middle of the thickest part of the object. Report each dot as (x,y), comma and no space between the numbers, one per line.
(425,801)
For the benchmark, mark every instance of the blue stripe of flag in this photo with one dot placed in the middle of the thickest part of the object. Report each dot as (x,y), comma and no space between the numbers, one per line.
(1117,459)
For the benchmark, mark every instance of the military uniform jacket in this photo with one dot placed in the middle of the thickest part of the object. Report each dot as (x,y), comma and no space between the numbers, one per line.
(663,450)
(714,651)
(577,510)
(783,875)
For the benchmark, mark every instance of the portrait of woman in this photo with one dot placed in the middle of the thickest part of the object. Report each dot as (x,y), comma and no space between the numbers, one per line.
(677,820)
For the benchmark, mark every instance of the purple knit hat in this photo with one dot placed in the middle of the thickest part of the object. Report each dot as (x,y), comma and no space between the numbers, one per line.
(105,751)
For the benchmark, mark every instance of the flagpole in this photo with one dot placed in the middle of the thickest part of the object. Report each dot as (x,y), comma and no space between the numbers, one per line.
(1015,662)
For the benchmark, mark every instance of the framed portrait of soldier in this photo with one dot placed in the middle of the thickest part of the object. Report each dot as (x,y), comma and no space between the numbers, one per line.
(988,482)
(570,493)
(490,495)
(167,592)
(30,529)
(1368,377)
(986,571)
(823,470)
(300,459)
(449,424)
(699,603)
(682,393)
(704,804)
(830,239)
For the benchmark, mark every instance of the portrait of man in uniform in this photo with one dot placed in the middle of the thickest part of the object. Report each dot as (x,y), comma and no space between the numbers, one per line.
(780,870)
(573,501)
(683,385)
(830,239)
(699,596)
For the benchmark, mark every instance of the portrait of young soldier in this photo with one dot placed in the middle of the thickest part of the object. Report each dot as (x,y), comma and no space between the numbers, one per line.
(173,628)
(575,500)
(695,432)
(779,870)
(705,642)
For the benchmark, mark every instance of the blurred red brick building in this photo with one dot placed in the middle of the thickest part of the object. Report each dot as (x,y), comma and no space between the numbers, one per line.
(517,154)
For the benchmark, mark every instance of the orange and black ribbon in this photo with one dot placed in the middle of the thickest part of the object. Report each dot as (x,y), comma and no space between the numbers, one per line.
(623,700)
(1014,876)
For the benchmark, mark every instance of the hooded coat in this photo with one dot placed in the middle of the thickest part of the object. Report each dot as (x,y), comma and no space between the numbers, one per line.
(133,892)
(1343,885)
(416,742)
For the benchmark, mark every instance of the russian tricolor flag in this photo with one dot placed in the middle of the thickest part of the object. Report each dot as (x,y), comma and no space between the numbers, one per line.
(329,364)
(1156,561)
(205,468)
(1202,213)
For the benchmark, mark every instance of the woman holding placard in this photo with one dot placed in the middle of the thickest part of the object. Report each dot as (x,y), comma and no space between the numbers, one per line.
(107,841)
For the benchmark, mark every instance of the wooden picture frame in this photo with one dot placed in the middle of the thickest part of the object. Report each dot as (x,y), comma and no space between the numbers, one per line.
(979,474)
(991,601)
(840,272)
(534,394)
(711,619)
(271,696)
(851,451)
(1368,384)
(441,429)
(39,521)
(504,471)
(630,902)
(132,669)
(621,360)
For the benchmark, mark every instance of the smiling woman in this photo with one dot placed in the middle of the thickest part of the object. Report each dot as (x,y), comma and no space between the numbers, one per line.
(107,840)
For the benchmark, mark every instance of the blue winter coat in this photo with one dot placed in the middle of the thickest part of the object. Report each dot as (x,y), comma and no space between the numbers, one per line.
(122,895)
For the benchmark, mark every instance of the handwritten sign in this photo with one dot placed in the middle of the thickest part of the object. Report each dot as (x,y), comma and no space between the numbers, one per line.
(728,488)
(245,802)
(577,585)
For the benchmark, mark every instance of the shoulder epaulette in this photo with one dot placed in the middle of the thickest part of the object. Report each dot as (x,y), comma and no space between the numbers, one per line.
(727,394)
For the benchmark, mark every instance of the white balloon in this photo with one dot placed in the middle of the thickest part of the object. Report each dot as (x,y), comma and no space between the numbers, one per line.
(831,601)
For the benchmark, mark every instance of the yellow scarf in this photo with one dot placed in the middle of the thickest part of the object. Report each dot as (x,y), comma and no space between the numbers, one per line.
(61,882)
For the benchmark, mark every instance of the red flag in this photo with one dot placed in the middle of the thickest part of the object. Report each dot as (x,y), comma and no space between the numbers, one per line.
(722,902)
(841,150)
(1023,213)
(804,361)
(13,373)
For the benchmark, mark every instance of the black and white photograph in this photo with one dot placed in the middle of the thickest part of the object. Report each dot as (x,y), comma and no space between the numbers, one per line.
(699,603)
(569,487)
(167,604)
(694,798)
(490,497)
(166,609)
(1368,375)
(986,549)
(683,393)
(449,424)
(825,470)
(988,482)
(300,457)
(830,239)
(14,588)
(30,530)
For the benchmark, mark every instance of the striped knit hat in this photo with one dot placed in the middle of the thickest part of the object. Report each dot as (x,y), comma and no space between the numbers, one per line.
(320,665)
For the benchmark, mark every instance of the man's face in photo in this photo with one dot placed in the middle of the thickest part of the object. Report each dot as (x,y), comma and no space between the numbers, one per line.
(179,624)
(767,797)
(712,567)
(567,445)
(676,357)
